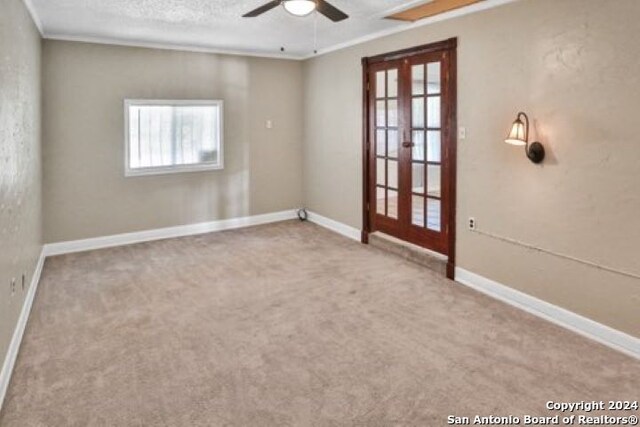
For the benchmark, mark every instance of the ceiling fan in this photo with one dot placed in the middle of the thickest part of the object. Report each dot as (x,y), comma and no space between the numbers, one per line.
(301,8)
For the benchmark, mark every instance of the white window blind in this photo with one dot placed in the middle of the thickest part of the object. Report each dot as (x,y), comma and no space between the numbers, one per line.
(173,136)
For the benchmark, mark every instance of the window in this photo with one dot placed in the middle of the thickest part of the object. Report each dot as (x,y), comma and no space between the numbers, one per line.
(172,136)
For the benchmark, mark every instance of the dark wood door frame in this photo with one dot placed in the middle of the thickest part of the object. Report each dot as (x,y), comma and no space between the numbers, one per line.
(450,136)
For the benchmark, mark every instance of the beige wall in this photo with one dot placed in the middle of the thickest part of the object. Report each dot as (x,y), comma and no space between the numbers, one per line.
(86,193)
(573,65)
(20,220)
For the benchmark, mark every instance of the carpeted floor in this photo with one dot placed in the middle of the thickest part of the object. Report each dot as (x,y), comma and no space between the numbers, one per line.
(286,324)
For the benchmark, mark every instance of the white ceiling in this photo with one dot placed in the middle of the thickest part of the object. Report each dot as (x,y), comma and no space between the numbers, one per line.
(214,25)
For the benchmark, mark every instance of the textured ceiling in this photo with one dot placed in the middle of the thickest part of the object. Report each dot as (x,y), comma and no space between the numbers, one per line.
(213,24)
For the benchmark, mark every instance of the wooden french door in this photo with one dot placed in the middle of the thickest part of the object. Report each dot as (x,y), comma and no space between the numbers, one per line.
(410,146)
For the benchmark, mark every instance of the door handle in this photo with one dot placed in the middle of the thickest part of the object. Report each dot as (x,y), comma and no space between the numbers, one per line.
(408,144)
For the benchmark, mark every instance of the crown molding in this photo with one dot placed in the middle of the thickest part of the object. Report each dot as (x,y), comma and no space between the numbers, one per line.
(467,10)
(34,15)
(167,46)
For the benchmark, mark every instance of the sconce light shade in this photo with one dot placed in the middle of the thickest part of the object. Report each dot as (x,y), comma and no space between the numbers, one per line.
(519,135)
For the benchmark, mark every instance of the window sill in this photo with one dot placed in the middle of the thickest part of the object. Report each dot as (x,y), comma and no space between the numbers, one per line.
(132,173)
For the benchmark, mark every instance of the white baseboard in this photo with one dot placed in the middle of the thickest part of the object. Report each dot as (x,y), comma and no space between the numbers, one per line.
(603,334)
(111,241)
(335,226)
(14,345)
(61,248)
(581,325)
(574,322)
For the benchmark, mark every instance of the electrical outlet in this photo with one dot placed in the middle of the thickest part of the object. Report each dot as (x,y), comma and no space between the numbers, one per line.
(472,223)
(462,132)
(269,124)
(13,286)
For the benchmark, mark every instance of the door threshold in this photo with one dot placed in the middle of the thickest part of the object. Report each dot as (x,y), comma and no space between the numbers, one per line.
(427,258)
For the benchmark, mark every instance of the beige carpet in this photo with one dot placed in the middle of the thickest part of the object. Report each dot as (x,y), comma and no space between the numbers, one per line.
(286,324)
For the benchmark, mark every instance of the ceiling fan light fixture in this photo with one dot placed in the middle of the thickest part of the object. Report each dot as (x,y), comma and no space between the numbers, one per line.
(299,7)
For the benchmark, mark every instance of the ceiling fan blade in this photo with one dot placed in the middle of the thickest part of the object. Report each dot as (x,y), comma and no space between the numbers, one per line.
(262,9)
(330,11)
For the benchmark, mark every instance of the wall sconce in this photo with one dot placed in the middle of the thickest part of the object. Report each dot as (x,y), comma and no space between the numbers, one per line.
(519,135)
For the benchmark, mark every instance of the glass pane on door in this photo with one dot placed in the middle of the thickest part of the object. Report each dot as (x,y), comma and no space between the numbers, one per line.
(434,174)
(417,79)
(392,109)
(381,173)
(381,143)
(433,146)
(392,83)
(392,174)
(418,178)
(417,112)
(380,84)
(433,112)
(392,140)
(433,81)
(418,145)
(417,210)
(392,204)
(381,201)
(433,215)
(381,114)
